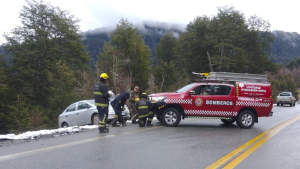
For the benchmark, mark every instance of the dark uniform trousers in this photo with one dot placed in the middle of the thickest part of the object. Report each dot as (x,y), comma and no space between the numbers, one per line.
(143,119)
(143,109)
(103,114)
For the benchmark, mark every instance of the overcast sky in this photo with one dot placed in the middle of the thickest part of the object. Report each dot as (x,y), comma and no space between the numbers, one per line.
(282,15)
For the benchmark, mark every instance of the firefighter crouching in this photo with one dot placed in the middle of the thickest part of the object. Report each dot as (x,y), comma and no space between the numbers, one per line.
(143,108)
(118,105)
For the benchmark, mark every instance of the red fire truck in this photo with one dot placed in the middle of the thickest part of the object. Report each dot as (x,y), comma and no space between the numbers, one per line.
(230,97)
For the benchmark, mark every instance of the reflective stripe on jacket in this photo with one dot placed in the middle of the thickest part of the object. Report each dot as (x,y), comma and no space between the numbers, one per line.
(101,95)
(143,107)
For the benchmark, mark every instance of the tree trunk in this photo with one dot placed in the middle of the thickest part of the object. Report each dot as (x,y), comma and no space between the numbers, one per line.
(209,60)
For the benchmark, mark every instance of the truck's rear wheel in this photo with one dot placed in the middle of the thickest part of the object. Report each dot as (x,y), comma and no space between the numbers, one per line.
(228,121)
(171,117)
(245,119)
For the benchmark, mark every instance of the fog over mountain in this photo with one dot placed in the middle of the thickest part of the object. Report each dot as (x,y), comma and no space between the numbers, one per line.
(284,48)
(151,31)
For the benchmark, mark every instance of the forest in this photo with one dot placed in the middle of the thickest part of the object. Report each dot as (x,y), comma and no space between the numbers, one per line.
(47,63)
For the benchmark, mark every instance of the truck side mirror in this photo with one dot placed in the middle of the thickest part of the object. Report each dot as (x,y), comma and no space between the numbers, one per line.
(192,92)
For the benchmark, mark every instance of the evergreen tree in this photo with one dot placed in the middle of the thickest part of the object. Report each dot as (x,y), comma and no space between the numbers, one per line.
(191,50)
(48,57)
(292,65)
(4,94)
(127,52)
(165,48)
(164,70)
(228,30)
(258,42)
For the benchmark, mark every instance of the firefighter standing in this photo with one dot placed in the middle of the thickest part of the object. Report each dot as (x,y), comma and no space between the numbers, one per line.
(101,101)
(134,97)
(143,107)
(118,105)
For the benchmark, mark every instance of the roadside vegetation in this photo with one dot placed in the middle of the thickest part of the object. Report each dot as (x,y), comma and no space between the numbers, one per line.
(50,67)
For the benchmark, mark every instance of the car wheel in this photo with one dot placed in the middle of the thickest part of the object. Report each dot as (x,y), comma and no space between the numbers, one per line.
(277,104)
(291,104)
(95,119)
(65,125)
(228,121)
(281,104)
(294,104)
(171,117)
(245,119)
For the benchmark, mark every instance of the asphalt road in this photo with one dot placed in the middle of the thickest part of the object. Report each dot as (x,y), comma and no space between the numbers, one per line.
(273,142)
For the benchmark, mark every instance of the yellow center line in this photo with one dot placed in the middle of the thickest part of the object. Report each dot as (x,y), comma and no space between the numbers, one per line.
(245,154)
(233,153)
(17,155)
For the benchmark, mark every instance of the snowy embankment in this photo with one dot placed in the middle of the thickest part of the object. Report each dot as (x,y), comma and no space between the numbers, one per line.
(33,135)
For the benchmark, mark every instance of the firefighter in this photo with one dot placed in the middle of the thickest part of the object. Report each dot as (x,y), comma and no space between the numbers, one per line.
(203,92)
(119,105)
(134,97)
(143,107)
(101,96)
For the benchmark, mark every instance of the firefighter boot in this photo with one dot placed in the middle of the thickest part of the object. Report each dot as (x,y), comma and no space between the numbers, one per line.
(149,123)
(114,123)
(141,123)
(103,130)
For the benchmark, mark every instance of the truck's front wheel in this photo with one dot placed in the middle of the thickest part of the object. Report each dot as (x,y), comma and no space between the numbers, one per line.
(245,119)
(171,117)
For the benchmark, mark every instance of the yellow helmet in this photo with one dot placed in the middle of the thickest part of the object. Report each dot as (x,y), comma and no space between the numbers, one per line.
(144,95)
(104,76)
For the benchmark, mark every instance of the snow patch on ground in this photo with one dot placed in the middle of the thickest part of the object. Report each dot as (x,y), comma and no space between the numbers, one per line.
(39,134)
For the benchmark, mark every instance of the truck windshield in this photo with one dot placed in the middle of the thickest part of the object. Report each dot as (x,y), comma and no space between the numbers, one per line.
(186,88)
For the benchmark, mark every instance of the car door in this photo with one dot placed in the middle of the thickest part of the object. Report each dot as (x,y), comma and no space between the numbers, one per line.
(70,115)
(222,103)
(83,113)
(199,106)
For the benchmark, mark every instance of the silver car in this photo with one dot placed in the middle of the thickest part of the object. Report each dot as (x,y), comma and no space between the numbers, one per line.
(85,112)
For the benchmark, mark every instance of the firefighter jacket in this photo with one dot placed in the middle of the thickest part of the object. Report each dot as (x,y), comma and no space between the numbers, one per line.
(143,108)
(120,100)
(134,97)
(101,95)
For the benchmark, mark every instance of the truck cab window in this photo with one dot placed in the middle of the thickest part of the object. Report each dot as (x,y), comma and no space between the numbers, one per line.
(222,90)
(202,90)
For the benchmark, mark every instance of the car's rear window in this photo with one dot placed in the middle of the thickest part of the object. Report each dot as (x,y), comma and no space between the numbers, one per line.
(284,94)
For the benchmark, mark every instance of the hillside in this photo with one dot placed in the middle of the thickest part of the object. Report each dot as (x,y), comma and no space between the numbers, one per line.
(152,32)
(285,47)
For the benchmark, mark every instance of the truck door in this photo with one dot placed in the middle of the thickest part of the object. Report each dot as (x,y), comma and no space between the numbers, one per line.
(199,96)
(222,100)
